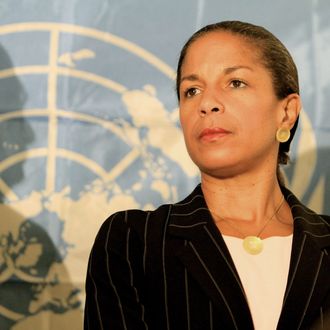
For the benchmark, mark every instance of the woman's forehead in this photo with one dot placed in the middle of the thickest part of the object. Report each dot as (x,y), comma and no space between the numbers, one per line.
(222,48)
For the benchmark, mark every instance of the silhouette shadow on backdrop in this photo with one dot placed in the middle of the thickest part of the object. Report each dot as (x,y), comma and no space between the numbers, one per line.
(35,292)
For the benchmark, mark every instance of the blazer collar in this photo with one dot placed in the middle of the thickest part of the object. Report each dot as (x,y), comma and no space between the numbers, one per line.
(206,256)
(308,279)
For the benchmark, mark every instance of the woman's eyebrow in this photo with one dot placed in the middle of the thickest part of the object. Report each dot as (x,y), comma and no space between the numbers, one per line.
(191,77)
(226,71)
(235,68)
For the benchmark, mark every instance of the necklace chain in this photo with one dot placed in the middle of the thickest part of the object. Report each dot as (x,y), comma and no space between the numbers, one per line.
(263,227)
(253,244)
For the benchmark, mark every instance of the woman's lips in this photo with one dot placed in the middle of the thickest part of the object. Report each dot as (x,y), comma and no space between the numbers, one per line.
(213,134)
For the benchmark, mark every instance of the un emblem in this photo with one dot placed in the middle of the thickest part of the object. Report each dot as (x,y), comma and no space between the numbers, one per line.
(86,129)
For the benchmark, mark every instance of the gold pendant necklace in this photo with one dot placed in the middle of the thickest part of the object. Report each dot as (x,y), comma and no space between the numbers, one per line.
(253,244)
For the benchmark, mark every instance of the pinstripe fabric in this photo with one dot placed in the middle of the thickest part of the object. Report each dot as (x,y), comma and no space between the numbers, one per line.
(170,269)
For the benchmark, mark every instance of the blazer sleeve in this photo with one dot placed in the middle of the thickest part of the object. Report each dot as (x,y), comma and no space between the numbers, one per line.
(115,278)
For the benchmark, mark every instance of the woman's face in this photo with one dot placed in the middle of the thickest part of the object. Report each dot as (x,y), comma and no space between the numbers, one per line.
(228,109)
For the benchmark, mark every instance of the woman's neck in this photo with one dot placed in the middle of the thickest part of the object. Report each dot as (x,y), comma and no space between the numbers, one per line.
(249,199)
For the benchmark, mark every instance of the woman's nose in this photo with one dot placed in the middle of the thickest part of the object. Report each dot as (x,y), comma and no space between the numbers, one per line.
(210,103)
(203,112)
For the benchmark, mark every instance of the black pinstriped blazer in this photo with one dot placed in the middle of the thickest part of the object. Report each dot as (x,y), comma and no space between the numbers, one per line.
(170,269)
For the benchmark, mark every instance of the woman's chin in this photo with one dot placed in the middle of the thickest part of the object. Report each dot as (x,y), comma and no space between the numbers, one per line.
(218,168)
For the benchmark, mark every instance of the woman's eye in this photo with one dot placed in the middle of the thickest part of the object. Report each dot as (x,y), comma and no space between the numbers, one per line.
(190,92)
(237,83)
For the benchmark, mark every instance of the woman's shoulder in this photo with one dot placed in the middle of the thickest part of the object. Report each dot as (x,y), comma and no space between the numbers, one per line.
(140,223)
(302,211)
(137,216)
(135,221)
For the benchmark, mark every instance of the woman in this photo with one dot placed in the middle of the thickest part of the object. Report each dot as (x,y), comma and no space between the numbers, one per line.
(241,252)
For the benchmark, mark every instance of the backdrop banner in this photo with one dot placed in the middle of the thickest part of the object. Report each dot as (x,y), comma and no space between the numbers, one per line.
(89,125)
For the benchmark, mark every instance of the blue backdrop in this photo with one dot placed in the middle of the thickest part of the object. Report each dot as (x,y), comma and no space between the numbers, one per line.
(89,125)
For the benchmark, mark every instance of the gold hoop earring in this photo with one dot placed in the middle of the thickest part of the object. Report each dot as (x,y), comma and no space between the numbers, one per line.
(282,134)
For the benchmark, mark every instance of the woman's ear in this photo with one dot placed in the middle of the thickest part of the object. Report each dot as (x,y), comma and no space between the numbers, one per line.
(291,110)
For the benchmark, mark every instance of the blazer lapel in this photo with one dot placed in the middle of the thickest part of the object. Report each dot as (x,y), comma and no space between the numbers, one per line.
(308,278)
(200,247)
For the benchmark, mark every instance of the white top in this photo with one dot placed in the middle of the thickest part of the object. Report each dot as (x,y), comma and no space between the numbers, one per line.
(264,277)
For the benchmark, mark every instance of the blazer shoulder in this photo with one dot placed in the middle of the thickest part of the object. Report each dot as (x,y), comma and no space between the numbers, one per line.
(136,220)
(149,222)
(135,217)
